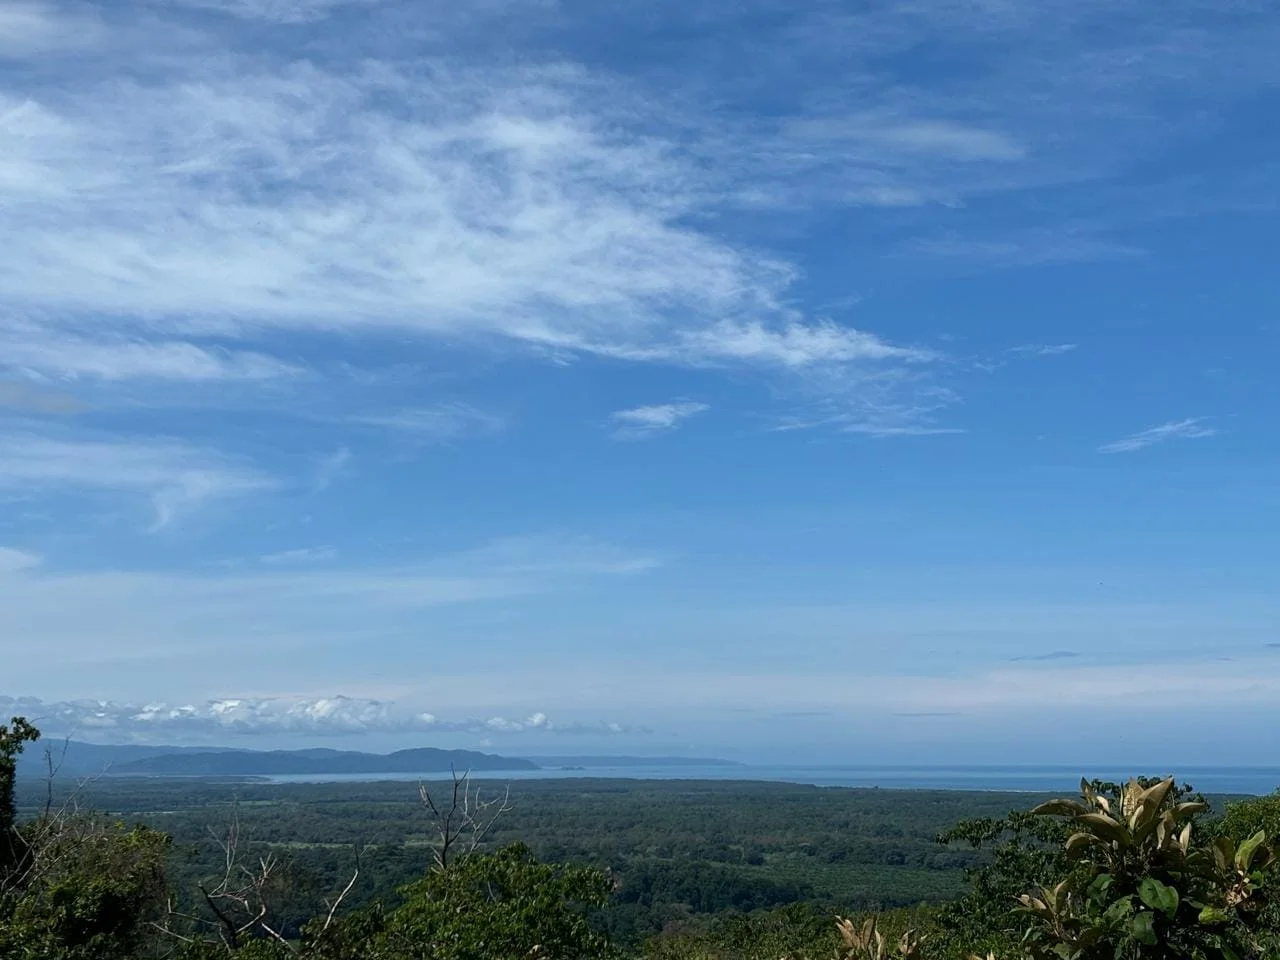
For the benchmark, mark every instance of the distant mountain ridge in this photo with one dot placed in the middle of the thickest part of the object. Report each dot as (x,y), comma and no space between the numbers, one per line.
(75,758)
(319,762)
(80,759)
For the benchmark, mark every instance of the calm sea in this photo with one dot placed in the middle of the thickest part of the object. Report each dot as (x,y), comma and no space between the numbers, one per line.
(1214,780)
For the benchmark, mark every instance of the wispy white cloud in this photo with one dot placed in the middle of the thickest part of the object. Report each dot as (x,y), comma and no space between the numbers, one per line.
(1055,685)
(329,468)
(399,240)
(273,11)
(1045,657)
(658,418)
(215,721)
(1013,61)
(300,555)
(28,348)
(1078,687)
(939,138)
(795,345)
(951,139)
(237,198)
(30,28)
(433,424)
(172,474)
(872,429)
(22,396)
(1189,429)
(564,554)
(12,560)
(1041,349)
(1026,248)
(123,616)
(886,403)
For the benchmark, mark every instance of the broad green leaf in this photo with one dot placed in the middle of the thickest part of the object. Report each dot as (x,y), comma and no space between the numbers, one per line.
(1189,808)
(1143,928)
(1184,838)
(1100,885)
(1060,808)
(1158,896)
(1118,911)
(1155,795)
(1246,850)
(1079,842)
(1104,827)
(1224,852)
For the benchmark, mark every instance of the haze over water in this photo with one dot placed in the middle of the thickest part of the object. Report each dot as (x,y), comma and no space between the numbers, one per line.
(1210,780)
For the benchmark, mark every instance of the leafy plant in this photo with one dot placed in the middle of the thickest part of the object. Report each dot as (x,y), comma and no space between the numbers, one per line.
(480,907)
(91,892)
(1137,884)
(14,736)
(865,942)
(1026,853)
(72,887)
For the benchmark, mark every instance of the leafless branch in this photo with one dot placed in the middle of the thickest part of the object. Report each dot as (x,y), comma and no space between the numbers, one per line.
(462,825)
(51,839)
(337,901)
(239,900)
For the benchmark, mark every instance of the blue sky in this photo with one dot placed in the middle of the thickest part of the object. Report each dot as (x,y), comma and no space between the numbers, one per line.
(879,381)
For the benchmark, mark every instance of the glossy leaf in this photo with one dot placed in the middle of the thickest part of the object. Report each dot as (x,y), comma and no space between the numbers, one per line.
(1159,896)
(1143,928)
(1245,852)
(1060,808)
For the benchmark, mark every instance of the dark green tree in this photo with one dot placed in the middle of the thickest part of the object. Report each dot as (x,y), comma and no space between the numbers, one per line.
(14,736)
(1026,853)
(92,891)
(499,906)
(73,887)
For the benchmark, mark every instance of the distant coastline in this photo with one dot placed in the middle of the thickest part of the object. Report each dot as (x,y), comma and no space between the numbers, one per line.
(87,759)
(320,766)
(594,762)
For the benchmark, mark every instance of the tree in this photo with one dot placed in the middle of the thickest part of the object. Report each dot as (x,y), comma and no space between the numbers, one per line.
(92,891)
(13,738)
(1139,883)
(462,823)
(72,887)
(236,912)
(498,906)
(1026,853)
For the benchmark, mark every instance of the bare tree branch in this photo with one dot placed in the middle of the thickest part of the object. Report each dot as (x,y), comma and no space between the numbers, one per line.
(464,824)
(240,899)
(337,901)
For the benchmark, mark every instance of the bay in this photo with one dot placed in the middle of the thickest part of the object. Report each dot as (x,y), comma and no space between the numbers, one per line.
(1020,779)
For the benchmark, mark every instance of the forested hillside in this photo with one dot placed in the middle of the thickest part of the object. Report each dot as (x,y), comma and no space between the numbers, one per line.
(682,851)
(604,868)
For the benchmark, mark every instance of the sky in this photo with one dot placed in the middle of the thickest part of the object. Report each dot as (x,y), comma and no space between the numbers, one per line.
(879,382)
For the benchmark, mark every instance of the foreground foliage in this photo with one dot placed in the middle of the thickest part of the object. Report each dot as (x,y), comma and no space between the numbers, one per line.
(73,886)
(1141,883)
(504,904)
(1123,873)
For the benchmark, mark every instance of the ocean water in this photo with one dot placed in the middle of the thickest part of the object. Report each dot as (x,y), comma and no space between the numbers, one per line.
(1065,780)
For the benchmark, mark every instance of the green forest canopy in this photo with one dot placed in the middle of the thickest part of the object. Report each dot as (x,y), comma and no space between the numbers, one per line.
(624,868)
